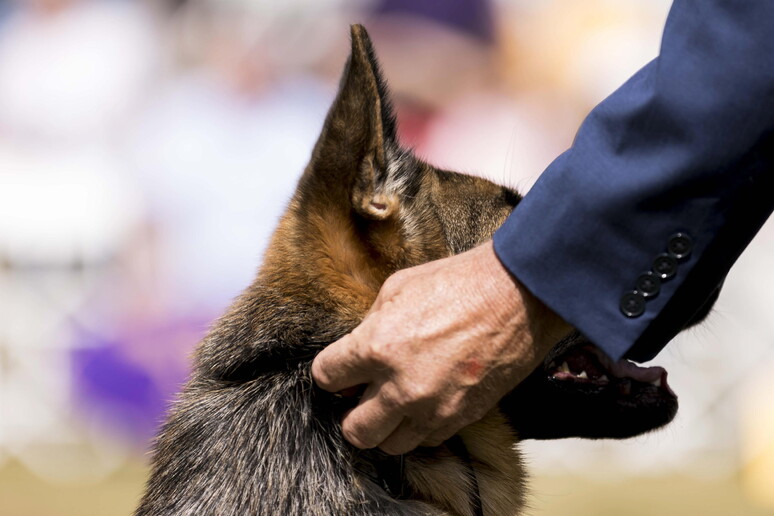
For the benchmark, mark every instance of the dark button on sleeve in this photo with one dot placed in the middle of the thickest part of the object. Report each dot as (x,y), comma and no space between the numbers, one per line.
(680,246)
(632,304)
(665,266)
(648,284)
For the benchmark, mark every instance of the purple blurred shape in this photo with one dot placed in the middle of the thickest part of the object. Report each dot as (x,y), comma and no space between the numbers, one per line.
(123,393)
(127,383)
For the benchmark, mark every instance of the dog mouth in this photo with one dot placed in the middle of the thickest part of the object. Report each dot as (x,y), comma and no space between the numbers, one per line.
(583,365)
(578,391)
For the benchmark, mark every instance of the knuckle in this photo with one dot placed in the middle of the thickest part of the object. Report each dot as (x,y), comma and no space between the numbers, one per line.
(419,391)
(423,428)
(449,410)
(379,351)
(475,413)
(356,436)
(391,400)
(393,285)
(444,415)
(371,345)
(393,281)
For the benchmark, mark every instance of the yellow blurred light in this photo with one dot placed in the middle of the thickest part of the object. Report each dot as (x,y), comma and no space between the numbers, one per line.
(757,438)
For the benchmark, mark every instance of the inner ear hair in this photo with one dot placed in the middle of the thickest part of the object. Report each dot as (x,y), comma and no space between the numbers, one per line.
(368,196)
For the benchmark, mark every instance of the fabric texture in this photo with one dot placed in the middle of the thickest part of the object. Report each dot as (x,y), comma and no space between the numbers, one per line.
(685,146)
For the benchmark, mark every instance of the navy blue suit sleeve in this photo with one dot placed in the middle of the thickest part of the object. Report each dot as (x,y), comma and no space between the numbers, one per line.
(684,146)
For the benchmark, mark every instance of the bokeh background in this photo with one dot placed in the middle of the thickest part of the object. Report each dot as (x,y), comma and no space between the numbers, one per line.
(147,149)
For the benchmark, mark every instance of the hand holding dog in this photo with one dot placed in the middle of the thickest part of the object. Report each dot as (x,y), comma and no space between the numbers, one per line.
(443,342)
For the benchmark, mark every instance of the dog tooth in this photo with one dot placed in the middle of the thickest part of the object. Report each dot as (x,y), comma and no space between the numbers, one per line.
(603,378)
(583,375)
(564,368)
(657,383)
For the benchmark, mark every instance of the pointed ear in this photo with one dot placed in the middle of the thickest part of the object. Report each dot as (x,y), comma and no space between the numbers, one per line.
(352,151)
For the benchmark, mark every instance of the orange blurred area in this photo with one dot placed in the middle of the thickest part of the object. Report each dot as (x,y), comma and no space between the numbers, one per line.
(147,149)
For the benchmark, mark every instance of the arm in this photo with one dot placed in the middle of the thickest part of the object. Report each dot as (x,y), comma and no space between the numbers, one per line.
(679,148)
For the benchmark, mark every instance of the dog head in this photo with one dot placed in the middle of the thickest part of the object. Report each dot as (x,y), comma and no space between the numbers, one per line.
(365,207)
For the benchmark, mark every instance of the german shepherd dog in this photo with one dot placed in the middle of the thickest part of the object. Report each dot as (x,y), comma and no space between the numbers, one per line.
(251,434)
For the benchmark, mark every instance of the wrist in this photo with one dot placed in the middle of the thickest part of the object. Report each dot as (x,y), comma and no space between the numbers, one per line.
(511,300)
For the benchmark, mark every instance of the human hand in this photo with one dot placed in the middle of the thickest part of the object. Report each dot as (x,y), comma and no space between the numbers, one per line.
(443,342)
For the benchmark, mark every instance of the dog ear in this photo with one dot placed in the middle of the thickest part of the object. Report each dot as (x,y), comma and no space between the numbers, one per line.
(351,155)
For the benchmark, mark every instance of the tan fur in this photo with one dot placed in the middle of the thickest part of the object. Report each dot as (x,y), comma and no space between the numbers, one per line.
(342,262)
(442,478)
(501,477)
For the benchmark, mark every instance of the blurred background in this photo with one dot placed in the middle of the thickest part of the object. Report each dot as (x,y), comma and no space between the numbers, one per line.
(147,149)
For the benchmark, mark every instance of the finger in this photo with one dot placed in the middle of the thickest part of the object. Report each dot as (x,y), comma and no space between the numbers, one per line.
(372,421)
(405,438)
(339,366)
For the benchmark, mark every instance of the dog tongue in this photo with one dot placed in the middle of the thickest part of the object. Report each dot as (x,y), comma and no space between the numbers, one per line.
(627,369)
(653,375)
(642,374)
